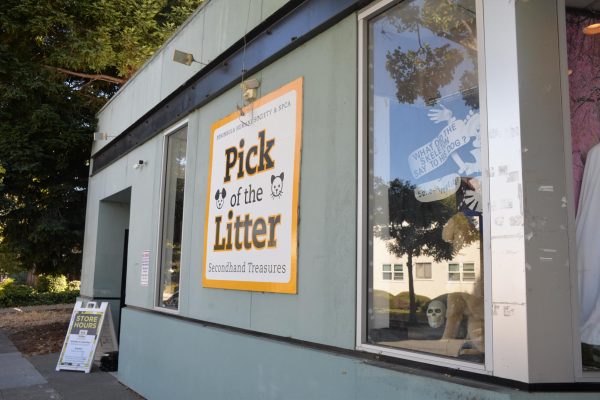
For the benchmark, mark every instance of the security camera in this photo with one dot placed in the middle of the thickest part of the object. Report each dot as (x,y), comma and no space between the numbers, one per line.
(139,164)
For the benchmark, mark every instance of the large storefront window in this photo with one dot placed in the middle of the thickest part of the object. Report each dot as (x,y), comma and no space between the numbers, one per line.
(172,220)
(425,183)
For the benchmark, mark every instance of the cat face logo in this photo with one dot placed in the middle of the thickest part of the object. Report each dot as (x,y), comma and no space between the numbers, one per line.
(220,197)
(276,185)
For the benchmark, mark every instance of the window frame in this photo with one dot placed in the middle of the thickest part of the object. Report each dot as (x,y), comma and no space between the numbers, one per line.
(365,266)
(422,264)
(385,271)
(183,124)
(400,272)
(457,272)
(463,272)
(460,272)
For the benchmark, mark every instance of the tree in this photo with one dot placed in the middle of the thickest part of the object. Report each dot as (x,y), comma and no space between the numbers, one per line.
(421,72)
(412,228)
(60,60)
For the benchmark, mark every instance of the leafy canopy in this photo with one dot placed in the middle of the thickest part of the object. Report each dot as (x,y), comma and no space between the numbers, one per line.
(422,71)
(60,60)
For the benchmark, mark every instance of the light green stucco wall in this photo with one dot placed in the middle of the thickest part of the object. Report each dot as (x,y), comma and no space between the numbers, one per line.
(323,311)
(165,358)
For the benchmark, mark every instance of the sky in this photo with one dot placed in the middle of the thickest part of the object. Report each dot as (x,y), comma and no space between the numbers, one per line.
(401,128)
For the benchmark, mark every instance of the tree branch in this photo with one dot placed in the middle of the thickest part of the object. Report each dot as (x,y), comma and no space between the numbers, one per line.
(93,77)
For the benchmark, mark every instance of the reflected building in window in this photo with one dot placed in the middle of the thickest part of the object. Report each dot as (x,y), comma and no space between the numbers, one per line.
(425,183)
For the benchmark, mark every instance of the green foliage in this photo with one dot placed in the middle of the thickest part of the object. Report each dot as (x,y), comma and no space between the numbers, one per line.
(6,282)
(9,262)
(45,137)
(112,37)
(51,283)
(412,227)
(55,56)
(421,72)
(382,299)
(66,297)
(402,301)
(74,285)
(15,295)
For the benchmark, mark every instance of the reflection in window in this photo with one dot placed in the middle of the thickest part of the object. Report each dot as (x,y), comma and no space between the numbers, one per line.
(425,179)
(387,272)
(468,272)
(172,220)
(423,270)
(398,272)
(461,272)
(454,272)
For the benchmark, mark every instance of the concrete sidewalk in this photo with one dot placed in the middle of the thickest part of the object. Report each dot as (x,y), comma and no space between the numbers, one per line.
(35,378)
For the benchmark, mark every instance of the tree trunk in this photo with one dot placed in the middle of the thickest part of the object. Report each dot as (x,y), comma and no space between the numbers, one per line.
(412,314)
(30,280)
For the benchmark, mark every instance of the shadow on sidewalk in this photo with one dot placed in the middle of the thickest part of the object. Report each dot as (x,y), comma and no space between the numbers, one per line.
(35,377)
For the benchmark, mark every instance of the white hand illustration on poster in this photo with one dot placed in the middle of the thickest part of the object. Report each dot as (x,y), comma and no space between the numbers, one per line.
(456,134)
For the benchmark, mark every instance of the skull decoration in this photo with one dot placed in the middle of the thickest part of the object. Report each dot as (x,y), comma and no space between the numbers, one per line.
(436,314)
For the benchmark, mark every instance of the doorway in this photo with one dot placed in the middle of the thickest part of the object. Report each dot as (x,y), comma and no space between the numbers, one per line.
(112,242)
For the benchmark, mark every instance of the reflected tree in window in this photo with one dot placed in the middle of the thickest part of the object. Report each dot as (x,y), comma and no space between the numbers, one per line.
(421,72)
(412,228)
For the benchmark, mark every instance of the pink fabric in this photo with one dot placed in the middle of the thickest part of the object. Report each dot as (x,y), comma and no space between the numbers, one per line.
(584,91)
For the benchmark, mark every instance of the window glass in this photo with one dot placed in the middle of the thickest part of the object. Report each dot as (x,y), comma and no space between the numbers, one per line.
(454,272)
(172,221)
(398,272)
(387,272)
(468,272)
(423,270)
(424,173)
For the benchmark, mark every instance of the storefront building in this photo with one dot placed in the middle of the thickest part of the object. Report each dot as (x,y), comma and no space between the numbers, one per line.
(355,199)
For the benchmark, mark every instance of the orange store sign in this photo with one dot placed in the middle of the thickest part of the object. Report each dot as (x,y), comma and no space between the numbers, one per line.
(250,233)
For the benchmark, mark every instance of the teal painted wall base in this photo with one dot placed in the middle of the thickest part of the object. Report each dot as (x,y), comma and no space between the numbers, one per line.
(167,358)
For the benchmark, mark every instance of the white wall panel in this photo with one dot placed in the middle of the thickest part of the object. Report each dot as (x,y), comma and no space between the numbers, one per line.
(509,330)
(105,124)
(189,40)
(95,193)
(146,88)
(203,36)
(545,175)
(144,217)
(270,6)
(238,16)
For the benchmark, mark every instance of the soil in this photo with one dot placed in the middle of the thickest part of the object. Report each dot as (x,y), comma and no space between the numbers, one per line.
(36,330)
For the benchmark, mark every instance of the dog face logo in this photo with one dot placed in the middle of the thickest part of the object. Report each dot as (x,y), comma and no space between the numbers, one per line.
(220,197)
(276,185)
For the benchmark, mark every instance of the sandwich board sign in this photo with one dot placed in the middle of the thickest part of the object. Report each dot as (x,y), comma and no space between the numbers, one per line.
(91,333)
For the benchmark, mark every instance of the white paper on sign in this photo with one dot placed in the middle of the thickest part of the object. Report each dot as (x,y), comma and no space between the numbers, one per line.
(437,189)
(145,268)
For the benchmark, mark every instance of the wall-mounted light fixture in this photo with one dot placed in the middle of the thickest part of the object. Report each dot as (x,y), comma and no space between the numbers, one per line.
(250,90)
(185,58)
(102,136)
(592,29)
